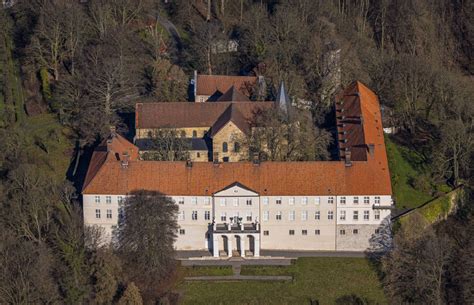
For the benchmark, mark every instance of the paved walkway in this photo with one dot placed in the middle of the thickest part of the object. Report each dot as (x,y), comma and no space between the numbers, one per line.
(236,264)
(241,278)
(272,254)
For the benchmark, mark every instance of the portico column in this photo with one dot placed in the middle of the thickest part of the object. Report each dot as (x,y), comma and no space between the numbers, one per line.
(229,246)
(256,240)
(242,246)
(215,245)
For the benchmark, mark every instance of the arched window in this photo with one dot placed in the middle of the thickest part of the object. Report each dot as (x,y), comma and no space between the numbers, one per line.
(236,147)
(224,147)
(195,134)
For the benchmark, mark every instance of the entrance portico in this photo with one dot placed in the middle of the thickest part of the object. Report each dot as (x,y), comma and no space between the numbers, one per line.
(241,240)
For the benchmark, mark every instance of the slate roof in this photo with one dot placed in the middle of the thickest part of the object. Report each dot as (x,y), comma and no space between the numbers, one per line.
(194,144)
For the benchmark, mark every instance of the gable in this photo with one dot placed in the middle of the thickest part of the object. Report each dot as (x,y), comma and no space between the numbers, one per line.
(236,190)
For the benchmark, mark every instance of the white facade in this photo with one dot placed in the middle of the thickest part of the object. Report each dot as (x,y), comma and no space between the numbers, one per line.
(239,221)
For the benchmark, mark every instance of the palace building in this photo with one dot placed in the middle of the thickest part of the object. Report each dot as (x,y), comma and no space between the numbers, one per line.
(241,208)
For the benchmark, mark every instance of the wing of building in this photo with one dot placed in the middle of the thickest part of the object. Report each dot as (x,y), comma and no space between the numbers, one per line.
(248,206)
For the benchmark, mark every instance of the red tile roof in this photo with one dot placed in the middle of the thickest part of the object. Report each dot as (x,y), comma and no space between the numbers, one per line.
(367,175)
(231,114)
(209,84)
(184,114)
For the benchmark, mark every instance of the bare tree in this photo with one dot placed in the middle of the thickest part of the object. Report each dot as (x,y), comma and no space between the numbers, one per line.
(167,145)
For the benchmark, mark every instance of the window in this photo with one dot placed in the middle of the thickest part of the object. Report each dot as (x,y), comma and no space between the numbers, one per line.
(181,215)
(342,216)
(235,202)
(97,213)
(366,215)
(181,200)
(120,214)
(194,200)
(225,159)
(109,214)
(355,231)
(249,216)
(317,215)
(222,202)
(317,201)
(377,200)
(223,216)
(330,200)
(183,134)
(377,231)
(366,200)
(343,200)
(195,134)
(207,201)
(291,216)
(266,233)
(108,199)
(278,201)
(265,200)
(266,215)
(355,215)
(97,199)
(278,215)
(291,201)
(292,232)
(224,147)
(198,154)
(317,232)
(330,215)
(207,215)
(119,199)
(249,201)
(342,232)
(304,215)
(356,200)
(236,147)
(304,200)
(182,232)
(195,215)
(304,232)
(377,215)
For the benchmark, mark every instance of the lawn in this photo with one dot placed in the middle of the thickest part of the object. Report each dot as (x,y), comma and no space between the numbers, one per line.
(205,270)
(322,279)
(401,162)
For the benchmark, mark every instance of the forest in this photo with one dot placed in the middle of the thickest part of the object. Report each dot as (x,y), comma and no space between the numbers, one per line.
(71,69)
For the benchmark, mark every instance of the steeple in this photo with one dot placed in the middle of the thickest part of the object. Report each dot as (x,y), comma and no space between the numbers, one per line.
(282,99)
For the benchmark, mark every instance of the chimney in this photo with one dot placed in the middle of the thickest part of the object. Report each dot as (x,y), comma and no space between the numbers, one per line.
(189,164)
(109,144)
(113,131)
(347,158)
(371,148)
(125,159)
(195,83)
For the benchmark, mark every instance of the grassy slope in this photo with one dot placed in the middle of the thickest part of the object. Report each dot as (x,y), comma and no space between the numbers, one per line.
(402,171)
(324,279)
(45,129)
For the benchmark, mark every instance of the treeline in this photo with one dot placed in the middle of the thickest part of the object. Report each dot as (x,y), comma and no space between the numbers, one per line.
(432,264)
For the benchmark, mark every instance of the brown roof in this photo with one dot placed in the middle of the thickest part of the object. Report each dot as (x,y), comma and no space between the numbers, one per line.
(233,95)
(367,176)
(231,114)
(184,114)
(209,84)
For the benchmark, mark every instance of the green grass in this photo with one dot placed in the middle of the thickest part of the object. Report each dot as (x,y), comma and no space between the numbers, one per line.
(207,270)
(402,163)
(47,140)
(324,279)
